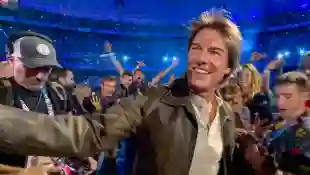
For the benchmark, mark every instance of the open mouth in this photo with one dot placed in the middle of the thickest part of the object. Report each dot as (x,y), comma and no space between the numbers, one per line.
(200,71)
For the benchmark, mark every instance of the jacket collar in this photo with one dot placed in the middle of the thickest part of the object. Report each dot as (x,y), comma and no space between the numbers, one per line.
(179,95)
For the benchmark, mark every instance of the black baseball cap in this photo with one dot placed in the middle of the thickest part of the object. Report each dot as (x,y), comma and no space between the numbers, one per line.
(35,51)
(260,106)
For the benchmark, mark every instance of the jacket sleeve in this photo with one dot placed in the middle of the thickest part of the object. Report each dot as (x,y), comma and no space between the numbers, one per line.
(29,133)
(121,119)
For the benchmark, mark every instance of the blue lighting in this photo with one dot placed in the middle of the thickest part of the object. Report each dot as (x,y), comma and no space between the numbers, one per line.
(174,58)
(302,52)
(280,55)
(287,53)
(165,59)
(125,58)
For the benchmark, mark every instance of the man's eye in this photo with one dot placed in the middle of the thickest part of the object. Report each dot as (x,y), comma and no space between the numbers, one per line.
(213,52)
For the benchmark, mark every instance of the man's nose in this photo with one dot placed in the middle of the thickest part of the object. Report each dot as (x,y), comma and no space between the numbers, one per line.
(280,103)
(42,76)
(201,56)
(235,101)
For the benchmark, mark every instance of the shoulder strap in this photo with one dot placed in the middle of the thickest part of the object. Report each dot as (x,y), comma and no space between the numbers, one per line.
(6,92)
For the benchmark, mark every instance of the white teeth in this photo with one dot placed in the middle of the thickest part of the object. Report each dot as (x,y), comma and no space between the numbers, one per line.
(201,71)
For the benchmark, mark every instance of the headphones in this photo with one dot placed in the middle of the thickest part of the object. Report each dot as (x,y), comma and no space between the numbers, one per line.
(14,37)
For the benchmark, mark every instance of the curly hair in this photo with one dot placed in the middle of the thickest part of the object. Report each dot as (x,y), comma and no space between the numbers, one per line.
(256,82)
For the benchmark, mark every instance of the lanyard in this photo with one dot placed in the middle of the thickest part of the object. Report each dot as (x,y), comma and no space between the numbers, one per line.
(47,100)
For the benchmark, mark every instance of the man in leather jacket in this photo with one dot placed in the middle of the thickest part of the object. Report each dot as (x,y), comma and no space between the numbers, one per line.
(182,129)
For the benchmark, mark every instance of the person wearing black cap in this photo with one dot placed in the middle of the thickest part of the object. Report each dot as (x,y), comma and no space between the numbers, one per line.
(31,57)
(261,114)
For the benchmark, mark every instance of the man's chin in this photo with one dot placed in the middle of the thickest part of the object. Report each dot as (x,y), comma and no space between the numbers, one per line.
(197,87)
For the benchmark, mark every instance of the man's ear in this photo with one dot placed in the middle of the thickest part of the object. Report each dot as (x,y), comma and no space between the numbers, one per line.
(306,95)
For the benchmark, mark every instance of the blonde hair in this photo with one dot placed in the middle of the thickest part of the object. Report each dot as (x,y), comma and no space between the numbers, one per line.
(256,82)
(219,20)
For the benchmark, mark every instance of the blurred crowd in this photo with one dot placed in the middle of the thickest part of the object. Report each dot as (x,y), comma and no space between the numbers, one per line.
(262,130)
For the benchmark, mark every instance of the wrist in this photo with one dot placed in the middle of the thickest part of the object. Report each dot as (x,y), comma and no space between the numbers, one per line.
(108,54)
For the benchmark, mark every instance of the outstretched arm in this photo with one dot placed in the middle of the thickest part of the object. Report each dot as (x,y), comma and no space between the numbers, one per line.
(28,133)
(161,74)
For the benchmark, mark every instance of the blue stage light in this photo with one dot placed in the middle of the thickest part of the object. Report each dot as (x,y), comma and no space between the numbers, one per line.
(302,51)
(280,55)
(287,53)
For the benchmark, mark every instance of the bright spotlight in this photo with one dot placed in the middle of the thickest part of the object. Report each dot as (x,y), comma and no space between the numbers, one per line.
(280,55)
(125,58)
(287,53)
(302,52)
(174,58)
(165,59)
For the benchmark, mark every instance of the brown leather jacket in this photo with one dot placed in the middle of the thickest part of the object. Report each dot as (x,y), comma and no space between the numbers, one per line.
(163,121)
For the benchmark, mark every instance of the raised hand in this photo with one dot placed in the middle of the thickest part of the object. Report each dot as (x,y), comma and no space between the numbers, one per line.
(140,63)
(257,56)
(95,100)
(175,62)
(107,47)
(261,126)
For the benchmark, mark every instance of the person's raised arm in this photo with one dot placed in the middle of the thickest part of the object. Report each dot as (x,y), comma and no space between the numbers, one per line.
(138,66)
(273,65)
(161,74)
(108,53)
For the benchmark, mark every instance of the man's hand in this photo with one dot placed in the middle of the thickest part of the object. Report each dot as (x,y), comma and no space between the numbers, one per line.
(92,163)
(140,63)
(260,127)
(257,56)
(95,100)
(107,47)
(175,62)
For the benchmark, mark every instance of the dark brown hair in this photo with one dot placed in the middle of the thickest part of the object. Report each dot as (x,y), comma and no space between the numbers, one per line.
(108,79)
(216,19)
